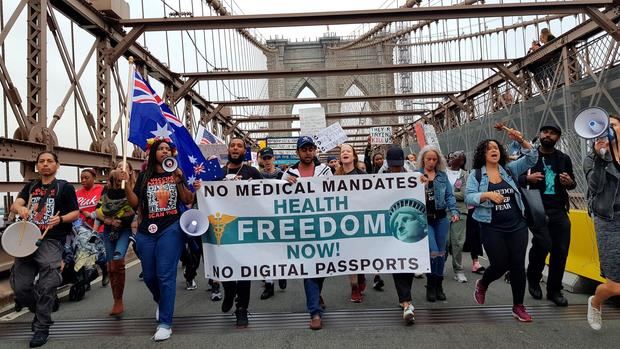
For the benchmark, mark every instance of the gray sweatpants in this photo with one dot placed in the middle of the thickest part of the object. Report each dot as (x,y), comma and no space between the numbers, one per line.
(39,297)
(456,240)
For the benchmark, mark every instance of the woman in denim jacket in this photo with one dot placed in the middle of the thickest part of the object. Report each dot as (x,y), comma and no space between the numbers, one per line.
(439,198)
(499,211)
(602,168)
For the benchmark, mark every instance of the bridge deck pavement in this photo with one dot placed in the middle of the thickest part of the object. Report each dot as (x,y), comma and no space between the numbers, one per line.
(281,320)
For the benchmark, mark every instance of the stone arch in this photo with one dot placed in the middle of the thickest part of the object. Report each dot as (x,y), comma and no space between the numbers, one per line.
(300,86)
(360,84)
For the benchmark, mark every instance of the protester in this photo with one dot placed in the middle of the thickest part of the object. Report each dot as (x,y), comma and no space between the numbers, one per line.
(361,166)
(410,163)
(117,215)
(88,196)
(552,176)
(48,203)
(236,170)
(546,36)
(349,159)
(158,196)
(457,176)
(402,281)
(270,171)
(309,166)
(332,163)
(439,199)
(492,189)
(602,169)
(373,162)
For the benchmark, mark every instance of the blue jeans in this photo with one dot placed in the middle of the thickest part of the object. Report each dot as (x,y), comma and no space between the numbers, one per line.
(116,249)
(160,254)
(437,237)
(313,288)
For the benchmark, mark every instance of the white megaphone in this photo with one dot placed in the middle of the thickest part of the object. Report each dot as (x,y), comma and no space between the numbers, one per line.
(194,223)
(169,164)
(592,123)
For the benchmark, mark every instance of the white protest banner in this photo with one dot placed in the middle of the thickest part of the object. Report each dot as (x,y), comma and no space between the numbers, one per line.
(311,121)
(330,137)
(316,227)
(381,135)
(430,135)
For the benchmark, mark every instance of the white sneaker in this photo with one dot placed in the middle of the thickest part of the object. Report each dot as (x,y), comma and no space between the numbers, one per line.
(191,285)
(157,314)
(460,277)
(594,316)
(162,334)
(408,314)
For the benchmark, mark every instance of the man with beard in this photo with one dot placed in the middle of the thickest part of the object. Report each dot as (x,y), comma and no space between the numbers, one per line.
(373,163)
(309,166)
(235,170)
(553,176)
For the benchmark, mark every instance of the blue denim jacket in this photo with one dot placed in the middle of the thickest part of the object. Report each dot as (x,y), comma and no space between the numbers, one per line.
(474,190)
(444,197)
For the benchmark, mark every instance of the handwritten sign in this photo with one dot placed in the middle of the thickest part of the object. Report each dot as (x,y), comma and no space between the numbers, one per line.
(430,135)
(329,138)
(311,121)
(381,135)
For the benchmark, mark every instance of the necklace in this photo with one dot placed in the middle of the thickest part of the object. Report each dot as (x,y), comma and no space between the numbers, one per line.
(239,170)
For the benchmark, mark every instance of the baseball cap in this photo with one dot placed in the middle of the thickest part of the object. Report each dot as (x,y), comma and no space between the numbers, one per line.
(330,158)
(266,152)
(554,127)
(395,156)
(303,141)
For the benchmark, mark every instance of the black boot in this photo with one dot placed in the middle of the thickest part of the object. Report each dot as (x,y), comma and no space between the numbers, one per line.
(242,317)
(439,288)
(268,292)
(39,338)
(430,288)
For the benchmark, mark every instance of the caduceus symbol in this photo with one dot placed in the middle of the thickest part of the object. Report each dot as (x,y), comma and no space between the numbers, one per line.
(219,222)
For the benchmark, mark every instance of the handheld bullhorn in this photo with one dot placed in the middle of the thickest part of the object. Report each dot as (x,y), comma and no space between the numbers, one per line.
(194,223)
(592,123)
(169,164)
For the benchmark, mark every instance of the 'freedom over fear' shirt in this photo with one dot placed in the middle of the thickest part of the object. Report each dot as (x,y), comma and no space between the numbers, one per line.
(46,202)
(505,216)
(160,202)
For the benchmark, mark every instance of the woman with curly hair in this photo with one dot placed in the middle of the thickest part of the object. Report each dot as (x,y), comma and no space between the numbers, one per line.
(157,196)
(439,200)
(492,189)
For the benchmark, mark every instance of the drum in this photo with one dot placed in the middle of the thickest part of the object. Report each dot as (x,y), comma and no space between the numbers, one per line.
(20,239)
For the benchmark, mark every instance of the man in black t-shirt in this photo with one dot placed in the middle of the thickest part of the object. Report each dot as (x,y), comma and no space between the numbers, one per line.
(52,204)
(553,176)
(234,170)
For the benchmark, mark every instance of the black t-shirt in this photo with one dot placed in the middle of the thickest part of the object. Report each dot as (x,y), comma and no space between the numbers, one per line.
(356,171)
(553,193)
(46,202)
(505,216)
(244,172)
(431,209)
(160,202)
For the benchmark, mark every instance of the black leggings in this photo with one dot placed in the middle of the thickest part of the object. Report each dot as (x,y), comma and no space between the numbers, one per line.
(403,283)
(241,289)
(506,252)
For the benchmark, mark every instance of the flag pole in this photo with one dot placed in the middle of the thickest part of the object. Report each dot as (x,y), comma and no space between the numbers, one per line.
(127,114)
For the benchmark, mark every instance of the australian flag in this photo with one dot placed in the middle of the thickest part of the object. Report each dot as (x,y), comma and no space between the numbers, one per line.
(151,117)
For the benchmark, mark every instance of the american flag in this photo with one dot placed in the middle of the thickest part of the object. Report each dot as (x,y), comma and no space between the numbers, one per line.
(205,136)
(151,117)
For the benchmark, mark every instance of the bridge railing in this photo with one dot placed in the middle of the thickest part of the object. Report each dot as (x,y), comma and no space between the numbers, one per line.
(586,74)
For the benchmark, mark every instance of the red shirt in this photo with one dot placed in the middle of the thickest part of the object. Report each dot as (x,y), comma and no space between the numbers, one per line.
(87,202)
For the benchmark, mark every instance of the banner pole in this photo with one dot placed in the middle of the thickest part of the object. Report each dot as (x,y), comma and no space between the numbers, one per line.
(127,114)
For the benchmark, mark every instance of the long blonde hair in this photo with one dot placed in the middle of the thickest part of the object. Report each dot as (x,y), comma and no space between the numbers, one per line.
(441,160)
(340,170)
